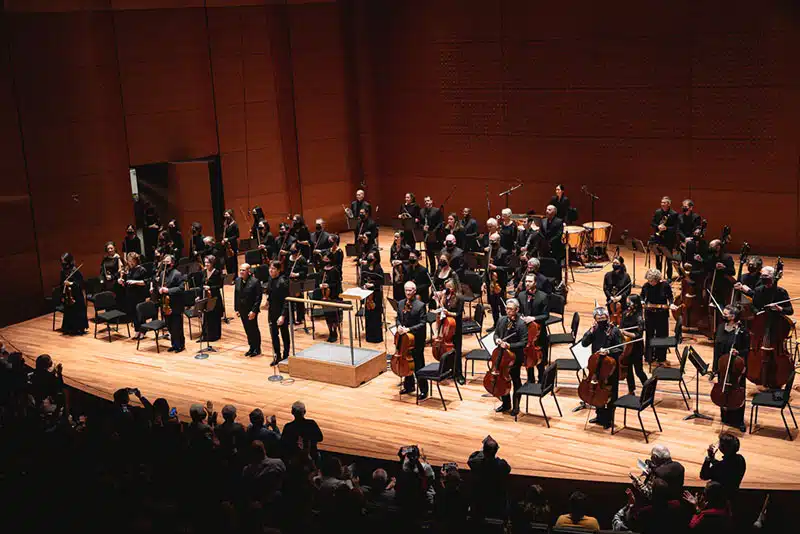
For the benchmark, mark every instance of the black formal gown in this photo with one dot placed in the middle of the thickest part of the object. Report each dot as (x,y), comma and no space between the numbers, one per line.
(133,244)
(135,294)
(212,322)
(109,274)
(74,321)
(373,319)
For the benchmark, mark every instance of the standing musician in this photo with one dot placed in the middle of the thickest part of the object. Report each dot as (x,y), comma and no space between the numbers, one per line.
(512,334)
(265,242)
(366,232)
(496,276)
(164,246)
(410,210)
(247,304)
(752,278)
(561,202)
(657,298)
(550,231)
(210,246)
(358,204)
(617,283)
(329,287)
(664,225)
(535,306)
(212,288)
(688,223)
(734,339)
(411,318)
(532,266)
(133,281)
(450,302)
(196,245)
(74,321)
(176,238)
(297,268)
(283,244)
(301,235)
(398,255)
(491,228)
(470,231)
(230,236)
(508,230)
(602,335)
(131,243)
(372,279)
(432,222)
(765,295)
(444,272)
(456,254)
(152,227)
(173,286)
(278,314)
(110,267)
(336,253)
(258,216)
(633,324)
(528,242)
(419,275)
(320,238)
(454,227)
(721,263)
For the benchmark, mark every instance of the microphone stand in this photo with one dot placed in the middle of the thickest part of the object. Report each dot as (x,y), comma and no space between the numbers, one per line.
(593,255)
(507,192)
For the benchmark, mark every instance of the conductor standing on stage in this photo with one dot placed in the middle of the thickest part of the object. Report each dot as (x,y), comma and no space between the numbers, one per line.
(246,302)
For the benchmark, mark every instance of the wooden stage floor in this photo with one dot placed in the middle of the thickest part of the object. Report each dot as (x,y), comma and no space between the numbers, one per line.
(372,420)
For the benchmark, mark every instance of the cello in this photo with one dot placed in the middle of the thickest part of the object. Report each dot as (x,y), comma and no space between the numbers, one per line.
(727,393)
(497,380)
(738,297)
(770,361)
(445,331)
(533,352)
(402,363)
(594,389)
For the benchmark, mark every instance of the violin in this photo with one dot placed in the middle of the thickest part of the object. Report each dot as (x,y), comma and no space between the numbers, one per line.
(228,246)
(497,380)
(494,285)
(727,392)
(166,309)
(66,295)
(402,363)
(445,332)
(325,291)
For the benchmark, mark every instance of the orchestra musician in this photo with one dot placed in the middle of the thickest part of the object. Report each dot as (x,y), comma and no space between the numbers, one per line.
(721,262)
(336,253)
(173,283)
(410,210)
(398,255)
(508,230)
(617,282)
(265,241)
(320,238)
(419,275)
(74,321)
(432,222)
(512,329)
(258,215)
(212,287)
(561,202)
(497,267)
(283,243)
(176,238)
(210,246)
(734,339)
(230,235)
(164,246)
(372,279)
(358,204)
(535,306)
(451,303)
(366,232)
(411,317)
(532,266)
(133,280)
(444,272)
(456,254)
(152,227)
(688,225)
(528,242)
(453,227)
(131,243)
(768,293)
(470,231)
(664,225)
(247,303)
(491,228)
(633,324)
(331,280)
(657,298)
(301,236)
(110,267)
(196,244)
(550,231)
(752,278)
(600,337)
(297,266)
(278,314)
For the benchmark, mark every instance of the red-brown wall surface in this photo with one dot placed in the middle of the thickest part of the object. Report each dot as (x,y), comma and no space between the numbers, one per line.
(304,100)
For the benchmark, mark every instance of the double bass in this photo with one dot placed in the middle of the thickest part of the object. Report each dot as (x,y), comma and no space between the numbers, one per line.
(738,297)
(712,283)
(445,331)
(693,301)
(770,360)
(497,380)
(727,392)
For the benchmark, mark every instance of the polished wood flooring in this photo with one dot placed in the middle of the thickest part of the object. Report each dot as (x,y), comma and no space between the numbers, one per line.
(373,420)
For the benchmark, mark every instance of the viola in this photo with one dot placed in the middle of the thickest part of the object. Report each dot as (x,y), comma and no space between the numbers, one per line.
(727,392)
(402,363)
(497,380)
(625,357)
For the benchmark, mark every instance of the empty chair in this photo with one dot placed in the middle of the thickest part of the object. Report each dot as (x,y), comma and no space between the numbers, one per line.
(669,342)
(568,338)
(441,370)
(189,298)
(104,312)
(556,305)
(670,374)
(93,286)
(546,387)
(253,257)
(774,399)
(639,403)
(148,318)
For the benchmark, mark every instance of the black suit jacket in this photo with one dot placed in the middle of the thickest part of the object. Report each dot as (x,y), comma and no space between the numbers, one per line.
(669,235)
(435,222)
(174,281)
(470,234)
(355,207)
(517,341)
(538,308)
(277,291)
(687,225)
(247,295)
(551,233)
(414,320)
(456,260)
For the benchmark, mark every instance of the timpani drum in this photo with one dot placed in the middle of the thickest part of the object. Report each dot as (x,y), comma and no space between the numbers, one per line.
(599,232)
(575,236)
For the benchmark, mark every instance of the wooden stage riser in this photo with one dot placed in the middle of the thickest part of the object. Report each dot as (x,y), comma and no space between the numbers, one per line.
(373,420)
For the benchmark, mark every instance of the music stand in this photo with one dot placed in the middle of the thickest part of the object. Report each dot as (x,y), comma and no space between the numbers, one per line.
(581,355)
(352,223)
(201,307)
(702,369)
(637,245)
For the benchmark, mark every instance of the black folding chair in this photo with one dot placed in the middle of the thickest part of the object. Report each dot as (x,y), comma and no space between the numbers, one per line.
(556,304)
(253,257)
(93,287)
(189,298)
(639,403)
(474,281)
(105,311)
(778,398)
(568,338)
(547,387)
(149,321)
(438,371)
(670,374)
(669,342)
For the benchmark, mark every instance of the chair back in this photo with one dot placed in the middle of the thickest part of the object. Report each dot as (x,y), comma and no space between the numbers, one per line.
(195,279)
(549,267)
(648,395)
(57,293)
(556,303)
(104,301)
(549,380)
(94,285)
(684,359)
(474,281)
(447,364)
(190,295)
(146,310)
(679,330)
(576,322)
(478,315)
(253,257)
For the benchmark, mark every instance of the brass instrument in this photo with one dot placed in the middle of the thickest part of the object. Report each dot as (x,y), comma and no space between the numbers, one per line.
(348,212)
(663,222)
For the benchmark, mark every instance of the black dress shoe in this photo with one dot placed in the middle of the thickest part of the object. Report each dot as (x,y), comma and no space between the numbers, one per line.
(514,412)
(606,425)
(461,380)
(422,396)
(593,420)
(256,353)
(274,362)
(502,408)
(743,428)
(180,350)
(171,349)
(406,391)
(248,353)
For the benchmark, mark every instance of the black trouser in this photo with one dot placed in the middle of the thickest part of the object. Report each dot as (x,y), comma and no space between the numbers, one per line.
(419,363)
(543,362)
(656,325)
(458,341)
(516,380)
(497,302)
(252,331)
(175,327)
(605,414)
(635,366)
(276,340)
(660,260)
(299,312)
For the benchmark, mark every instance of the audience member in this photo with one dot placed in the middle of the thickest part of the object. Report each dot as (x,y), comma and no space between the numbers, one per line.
(662,515)
(668,470)
(534,509)
(712,517)
(450,502)
(415,484)
(381,494)
(577,514)
(729,471)
(263,476)
(232,435)
(263,431)
(301,434)
(489,482)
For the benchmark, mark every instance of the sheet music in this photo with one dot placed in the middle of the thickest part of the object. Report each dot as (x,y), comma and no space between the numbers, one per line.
(488,343)
(357,293)
(582,354)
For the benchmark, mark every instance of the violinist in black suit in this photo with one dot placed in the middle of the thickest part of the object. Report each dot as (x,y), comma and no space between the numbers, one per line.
(173,286)
(366,232)
(247,304)
(470,230)
(398,254)
(456,254)
(551,231)
(230,235)
(497,258)
(411,317)
(665,228)
(410,210)
(511,333)
(320,238)
(601,336)
(265,241)
(432,224)
(283,243)
(535,306)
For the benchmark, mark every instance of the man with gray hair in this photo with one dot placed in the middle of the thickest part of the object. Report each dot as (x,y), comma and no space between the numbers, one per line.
(300,435)
(173,286)
(602,336)
(668,470)
(512,334)
(411,318)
